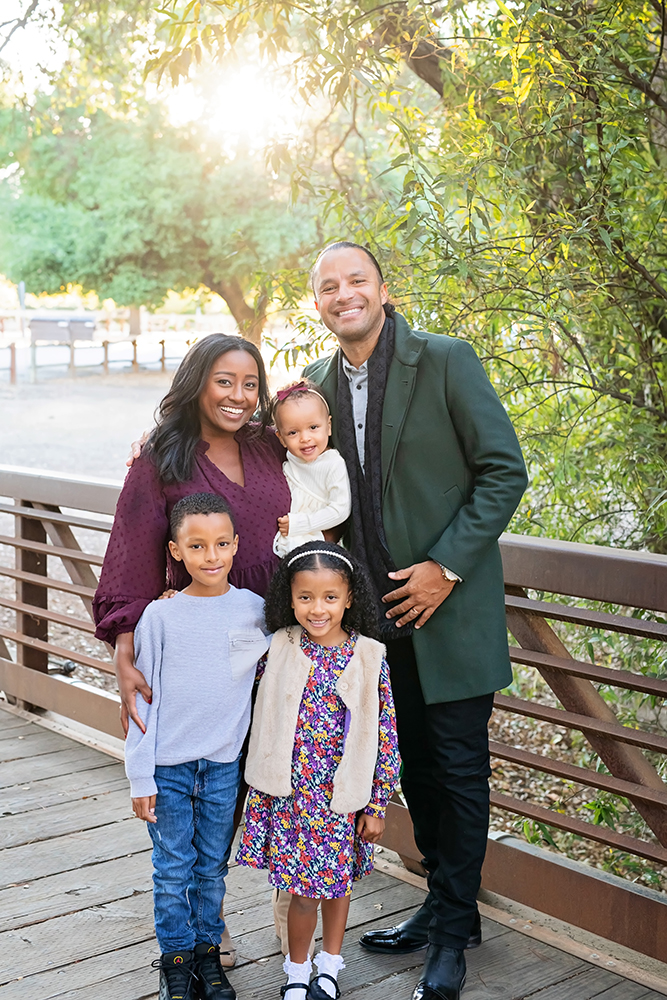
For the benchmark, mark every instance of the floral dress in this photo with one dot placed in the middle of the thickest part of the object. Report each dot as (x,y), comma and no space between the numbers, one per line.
(308,849)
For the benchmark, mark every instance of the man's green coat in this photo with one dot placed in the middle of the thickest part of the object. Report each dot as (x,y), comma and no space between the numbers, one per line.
(453,475)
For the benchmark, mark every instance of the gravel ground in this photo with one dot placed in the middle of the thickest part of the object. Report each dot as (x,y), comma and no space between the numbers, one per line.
(85,425)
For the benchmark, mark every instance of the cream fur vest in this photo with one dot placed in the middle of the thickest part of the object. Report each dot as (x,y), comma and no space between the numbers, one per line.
(269,765)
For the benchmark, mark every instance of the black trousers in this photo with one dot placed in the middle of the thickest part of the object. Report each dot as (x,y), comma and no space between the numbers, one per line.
(445,752)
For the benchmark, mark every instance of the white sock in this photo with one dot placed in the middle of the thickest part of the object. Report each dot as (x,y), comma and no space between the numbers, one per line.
(329,965)
(297,974)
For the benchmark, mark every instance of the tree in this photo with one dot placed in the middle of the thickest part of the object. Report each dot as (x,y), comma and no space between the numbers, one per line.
(527,142)
(131,208)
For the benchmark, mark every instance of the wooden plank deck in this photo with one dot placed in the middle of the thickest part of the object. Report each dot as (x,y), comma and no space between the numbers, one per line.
(76,907)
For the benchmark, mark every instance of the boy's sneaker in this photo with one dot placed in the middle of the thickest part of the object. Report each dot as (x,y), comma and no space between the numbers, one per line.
(177,975)
(212,982)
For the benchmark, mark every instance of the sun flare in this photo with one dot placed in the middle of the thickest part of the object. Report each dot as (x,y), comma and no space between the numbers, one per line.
(245,104)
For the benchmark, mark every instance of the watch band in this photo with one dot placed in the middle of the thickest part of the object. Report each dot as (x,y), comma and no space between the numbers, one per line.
(449,575)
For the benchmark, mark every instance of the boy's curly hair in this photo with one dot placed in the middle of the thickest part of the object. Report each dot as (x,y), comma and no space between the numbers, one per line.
(360,616)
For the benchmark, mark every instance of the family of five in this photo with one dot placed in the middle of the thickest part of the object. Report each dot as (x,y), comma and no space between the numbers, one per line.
(333,570)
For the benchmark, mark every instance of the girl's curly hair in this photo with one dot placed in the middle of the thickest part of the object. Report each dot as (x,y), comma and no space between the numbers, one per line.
(362,613)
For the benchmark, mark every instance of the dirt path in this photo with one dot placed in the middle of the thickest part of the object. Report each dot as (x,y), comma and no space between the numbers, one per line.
(83,425)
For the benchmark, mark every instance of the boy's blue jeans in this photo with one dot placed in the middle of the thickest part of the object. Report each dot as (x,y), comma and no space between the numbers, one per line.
(191,844)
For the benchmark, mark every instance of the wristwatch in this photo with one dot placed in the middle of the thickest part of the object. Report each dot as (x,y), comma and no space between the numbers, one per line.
(448,575)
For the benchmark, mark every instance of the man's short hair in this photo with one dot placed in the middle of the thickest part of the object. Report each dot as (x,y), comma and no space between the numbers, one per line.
(198,503)
(388,307)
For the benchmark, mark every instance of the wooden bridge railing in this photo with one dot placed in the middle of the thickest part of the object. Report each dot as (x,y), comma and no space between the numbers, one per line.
(56,545)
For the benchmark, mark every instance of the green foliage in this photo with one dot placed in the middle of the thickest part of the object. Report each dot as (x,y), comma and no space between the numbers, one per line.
(131,208)
(524,208)
(536,833)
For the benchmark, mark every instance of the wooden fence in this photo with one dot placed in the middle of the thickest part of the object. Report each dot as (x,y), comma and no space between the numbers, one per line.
(60,525)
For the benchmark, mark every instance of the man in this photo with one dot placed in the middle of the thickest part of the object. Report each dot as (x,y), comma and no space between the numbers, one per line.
(436,473)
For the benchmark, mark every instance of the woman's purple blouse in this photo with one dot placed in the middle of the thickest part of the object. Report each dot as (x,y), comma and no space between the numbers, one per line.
(137,565)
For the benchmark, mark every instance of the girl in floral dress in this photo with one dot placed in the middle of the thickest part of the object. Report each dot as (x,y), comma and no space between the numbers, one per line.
(323,758)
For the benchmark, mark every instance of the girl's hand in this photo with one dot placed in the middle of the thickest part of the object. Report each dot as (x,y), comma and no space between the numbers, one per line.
(144,808)
(130,681)
(135,449)
(283,525)
(370,828)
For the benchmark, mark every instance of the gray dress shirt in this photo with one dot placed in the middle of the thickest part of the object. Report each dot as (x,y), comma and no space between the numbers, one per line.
(358,379)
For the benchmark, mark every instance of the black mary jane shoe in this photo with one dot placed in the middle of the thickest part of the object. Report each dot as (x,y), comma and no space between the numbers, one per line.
(315,991)
(411,935)
(293,986)
(444,974)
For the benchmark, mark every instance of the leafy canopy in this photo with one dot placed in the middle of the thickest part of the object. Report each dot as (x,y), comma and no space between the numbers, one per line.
(525,208)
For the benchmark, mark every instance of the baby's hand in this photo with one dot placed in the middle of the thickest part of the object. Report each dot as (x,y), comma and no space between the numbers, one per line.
(144,808)
(370,828)
(283,525)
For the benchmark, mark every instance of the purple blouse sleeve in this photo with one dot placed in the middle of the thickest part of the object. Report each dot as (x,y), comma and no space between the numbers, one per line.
(134,569)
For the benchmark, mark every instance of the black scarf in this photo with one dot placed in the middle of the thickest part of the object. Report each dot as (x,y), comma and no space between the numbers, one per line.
(369,544)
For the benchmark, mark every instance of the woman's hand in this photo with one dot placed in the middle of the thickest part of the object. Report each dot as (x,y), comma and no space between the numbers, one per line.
(130,682)
(283,525)
(166,594)
(370,828)
(144,808)
(135,448)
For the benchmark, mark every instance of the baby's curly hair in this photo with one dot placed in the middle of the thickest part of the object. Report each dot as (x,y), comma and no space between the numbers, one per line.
(296,391)
(360,616)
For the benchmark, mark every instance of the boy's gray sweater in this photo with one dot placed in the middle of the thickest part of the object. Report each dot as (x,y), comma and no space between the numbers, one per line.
(198,654)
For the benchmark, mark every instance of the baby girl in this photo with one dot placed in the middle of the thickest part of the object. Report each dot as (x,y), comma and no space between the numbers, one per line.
(316,473)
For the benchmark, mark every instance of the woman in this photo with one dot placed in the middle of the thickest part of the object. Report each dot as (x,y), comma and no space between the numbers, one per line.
(204,442)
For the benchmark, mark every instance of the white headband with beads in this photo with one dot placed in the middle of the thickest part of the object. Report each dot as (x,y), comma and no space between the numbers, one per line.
(321,552)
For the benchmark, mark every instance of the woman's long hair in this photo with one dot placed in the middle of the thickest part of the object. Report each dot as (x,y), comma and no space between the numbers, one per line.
(172,444)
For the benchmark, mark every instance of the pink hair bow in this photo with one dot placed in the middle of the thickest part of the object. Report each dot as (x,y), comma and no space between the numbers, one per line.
(283,394)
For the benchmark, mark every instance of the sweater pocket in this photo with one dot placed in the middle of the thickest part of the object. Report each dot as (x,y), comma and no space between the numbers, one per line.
(246,645)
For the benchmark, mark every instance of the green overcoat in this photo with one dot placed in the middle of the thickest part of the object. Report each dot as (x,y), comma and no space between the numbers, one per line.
(453,475)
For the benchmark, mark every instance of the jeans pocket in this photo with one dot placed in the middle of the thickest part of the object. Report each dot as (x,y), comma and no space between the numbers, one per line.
(245,648)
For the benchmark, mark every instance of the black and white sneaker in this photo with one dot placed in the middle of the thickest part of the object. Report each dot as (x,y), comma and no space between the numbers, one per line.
(212,982)
(177,975)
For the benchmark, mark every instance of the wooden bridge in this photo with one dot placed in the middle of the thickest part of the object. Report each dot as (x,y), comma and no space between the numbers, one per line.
(75,888)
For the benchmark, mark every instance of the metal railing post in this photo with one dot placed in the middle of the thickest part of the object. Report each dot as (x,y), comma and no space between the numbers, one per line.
(12,363)
(105,363)
(135,363)
(72,367)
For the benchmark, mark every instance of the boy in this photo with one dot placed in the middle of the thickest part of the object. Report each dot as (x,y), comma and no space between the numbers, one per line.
(198,651)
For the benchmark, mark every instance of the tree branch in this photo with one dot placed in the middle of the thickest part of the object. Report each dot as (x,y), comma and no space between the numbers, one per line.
(19,22)
(249,321)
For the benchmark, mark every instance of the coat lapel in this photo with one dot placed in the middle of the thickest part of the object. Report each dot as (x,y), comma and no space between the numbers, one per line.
(328,383)
(408,349)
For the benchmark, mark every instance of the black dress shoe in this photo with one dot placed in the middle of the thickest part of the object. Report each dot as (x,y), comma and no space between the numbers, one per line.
(444,974)
(411,935)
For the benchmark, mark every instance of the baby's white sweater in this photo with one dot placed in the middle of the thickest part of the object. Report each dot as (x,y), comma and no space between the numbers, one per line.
(320,498)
